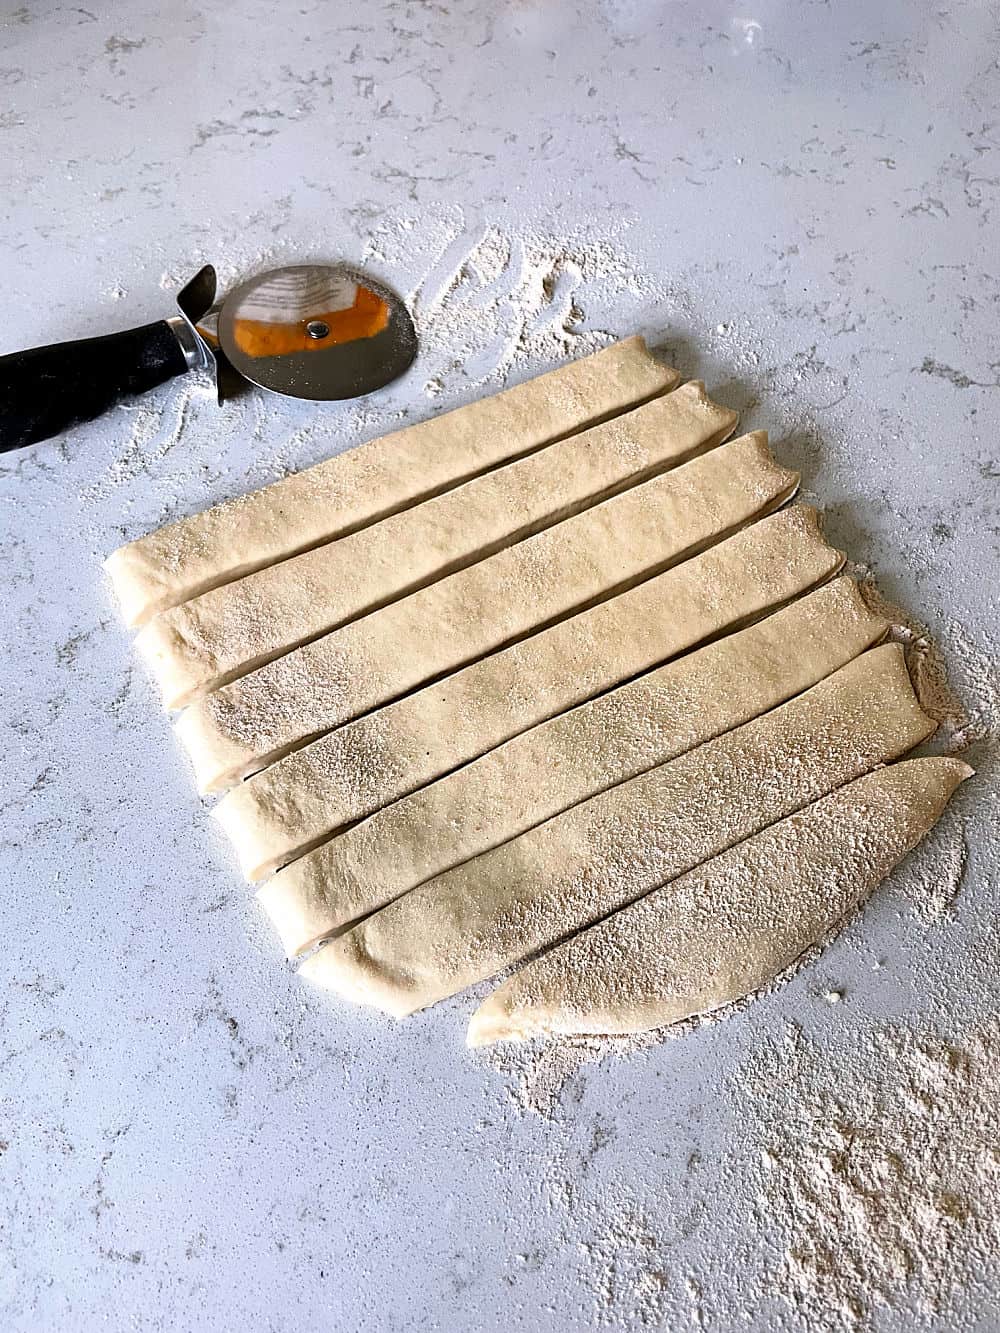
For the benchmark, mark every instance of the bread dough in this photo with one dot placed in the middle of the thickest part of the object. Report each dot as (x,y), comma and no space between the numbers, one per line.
(568,873)
(230,630)
(354,771)
(382,477)
(552,767)
(245,725)
(733,924)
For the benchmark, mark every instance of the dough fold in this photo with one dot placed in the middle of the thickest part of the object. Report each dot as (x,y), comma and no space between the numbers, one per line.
(359,768)
(722,931)
(252,721)
(386,475)
(568,759)
(224,633)
(578,867)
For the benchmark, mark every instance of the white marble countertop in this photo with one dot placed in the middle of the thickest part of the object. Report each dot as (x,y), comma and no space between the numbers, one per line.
(801,203)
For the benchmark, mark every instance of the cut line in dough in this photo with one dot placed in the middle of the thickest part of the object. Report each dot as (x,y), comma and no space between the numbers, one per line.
(377,479)
(586,559)
(555,766)
(566,874)
(228,631)
(350,773)
(727,928)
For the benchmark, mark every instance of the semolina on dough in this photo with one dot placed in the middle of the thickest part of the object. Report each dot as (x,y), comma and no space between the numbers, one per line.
(723,930)
(230,630)
(555,766)
(350,773)
(388,474)
(566,874)
(254,720)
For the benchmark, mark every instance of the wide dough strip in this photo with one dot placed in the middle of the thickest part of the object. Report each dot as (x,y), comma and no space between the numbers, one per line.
(230,630)
(254,720)
(554,766)
(568,873)
(724,930)
(380,478)
(353,771)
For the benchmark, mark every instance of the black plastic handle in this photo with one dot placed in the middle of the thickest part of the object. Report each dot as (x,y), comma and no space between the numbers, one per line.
(47,389)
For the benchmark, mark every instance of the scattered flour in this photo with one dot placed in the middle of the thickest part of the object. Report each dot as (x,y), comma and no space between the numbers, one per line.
(879,1170)
(625,1271)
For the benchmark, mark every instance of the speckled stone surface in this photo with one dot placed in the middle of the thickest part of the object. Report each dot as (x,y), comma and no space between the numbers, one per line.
(801,203)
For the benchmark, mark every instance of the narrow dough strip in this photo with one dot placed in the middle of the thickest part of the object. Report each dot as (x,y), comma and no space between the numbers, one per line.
(245,725)
(722,931)
(386,475)
(230,630)
(353,771)
(568,759)
(568,873)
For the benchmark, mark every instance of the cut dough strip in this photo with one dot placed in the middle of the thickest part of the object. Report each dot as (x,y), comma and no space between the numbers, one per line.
(250,722)
(354,771)
(382,477)
(552,767)
(568,873)
(226,632)
(725,929)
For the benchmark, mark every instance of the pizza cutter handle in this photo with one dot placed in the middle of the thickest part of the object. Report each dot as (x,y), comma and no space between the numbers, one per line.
(45,390)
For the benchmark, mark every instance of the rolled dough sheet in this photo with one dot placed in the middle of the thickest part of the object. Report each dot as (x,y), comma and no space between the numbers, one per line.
(230,630)
(245,725)
(727,928)
(380,478)
(568,759)
(568,873)
(354,771)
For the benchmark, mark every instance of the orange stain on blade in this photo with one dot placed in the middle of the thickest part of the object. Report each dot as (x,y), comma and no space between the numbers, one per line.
(367,316)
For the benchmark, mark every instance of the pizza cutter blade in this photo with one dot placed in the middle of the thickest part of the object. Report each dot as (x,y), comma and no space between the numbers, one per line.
(313,331)
(316,331)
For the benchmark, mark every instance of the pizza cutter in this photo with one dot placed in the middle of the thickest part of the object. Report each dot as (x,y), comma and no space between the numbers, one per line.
(313,331)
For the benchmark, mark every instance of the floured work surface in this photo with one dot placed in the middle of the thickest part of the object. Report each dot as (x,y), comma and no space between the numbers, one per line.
(542,684)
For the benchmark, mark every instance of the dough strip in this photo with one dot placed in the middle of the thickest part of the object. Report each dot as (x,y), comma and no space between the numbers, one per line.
(224,633)
(350,773)
(572,757)
(722,931)
(386,475)
(568,873)
(586,559)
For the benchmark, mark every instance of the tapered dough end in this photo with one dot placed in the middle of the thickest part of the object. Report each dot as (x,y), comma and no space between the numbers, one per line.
(726,418)
(664,378)
(497,1019)
(298,909)
(878,626)
(218,762)
(250,831)
(167,653)
(133,583)
(780,482)
(810,520)
(648,974)
(343,967)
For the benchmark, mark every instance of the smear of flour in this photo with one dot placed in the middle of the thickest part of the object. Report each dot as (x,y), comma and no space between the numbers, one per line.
(537,1073)
(490,304)
(934,872)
